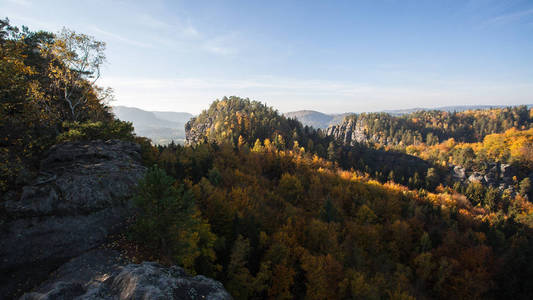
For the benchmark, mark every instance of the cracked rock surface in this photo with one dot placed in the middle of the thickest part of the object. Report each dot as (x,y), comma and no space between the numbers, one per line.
(80,197)
(101,274)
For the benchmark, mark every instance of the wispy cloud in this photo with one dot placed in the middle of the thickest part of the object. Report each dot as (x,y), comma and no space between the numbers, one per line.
(179,28)
(511,17)
(222,45)
(120,38)
(183,35)
(151,22)
(25,3)
(189,31)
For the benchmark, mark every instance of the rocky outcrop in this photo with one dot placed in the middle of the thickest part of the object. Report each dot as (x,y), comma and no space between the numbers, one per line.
(495,175)
(352,131)
(101,274)
(507,172)
(195,131)
(80,196)
(477,177)
(459,173)
(349,132)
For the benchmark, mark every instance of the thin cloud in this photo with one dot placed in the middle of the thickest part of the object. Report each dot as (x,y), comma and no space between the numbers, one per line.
(190,31)
(222,44)
(180,29)
(120,38)
(219,50)
(511,17)
(183,35)
(25,3)
(151,22)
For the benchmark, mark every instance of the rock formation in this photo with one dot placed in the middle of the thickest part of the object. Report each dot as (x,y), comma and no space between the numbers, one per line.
(80,196)
(352,131)
(101,274)
(349,132)
(195,133)
(495,174)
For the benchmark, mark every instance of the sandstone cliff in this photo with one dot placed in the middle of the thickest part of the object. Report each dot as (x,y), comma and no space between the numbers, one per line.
(350,131)
(195,133)
(78,199)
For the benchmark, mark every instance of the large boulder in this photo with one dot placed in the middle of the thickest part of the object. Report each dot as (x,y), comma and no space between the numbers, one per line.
(80,197)
(102,274)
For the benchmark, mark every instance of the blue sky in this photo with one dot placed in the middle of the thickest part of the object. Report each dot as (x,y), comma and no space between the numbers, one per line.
(331,56)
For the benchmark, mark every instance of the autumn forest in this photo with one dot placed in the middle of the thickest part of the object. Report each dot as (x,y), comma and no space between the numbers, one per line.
(424,205)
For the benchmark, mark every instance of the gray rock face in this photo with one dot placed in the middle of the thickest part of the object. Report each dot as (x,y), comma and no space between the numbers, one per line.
(350,132)
(507,172)
(459,173)
(495,175)
(476,177)
(100,274)
(195,133)
(79,198)
(491,175)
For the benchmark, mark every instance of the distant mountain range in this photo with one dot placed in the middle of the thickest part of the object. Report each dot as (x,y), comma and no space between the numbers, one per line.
(161,127)
(318,119)
(450,108)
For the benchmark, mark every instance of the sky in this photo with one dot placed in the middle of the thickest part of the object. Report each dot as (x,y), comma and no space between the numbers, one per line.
(329,56)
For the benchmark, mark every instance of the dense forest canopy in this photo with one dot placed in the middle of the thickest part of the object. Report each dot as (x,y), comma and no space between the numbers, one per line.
(512,147)
(292,225)
(304,228)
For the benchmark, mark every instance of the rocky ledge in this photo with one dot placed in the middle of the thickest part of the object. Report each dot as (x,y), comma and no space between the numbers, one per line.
(80,196)
(101,274)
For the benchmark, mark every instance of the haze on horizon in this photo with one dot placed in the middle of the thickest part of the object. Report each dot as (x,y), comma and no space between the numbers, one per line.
(331,57)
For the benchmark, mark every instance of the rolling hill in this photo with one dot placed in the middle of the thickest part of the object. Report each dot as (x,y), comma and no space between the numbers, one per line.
(316,119)
(160,127)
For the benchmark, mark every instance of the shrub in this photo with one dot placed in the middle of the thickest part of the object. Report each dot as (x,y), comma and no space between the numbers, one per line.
(115,129)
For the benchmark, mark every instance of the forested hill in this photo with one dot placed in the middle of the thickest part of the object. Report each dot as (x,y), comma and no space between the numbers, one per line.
(456,108)
(430,127)
(492,147)
(374,143)
(237,121)
(321,120)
